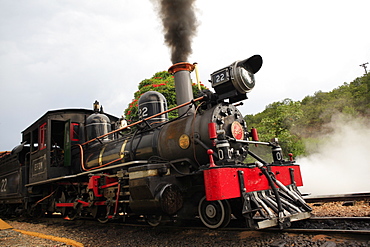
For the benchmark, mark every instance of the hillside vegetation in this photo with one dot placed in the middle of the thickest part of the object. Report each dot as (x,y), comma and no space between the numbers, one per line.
(298,123)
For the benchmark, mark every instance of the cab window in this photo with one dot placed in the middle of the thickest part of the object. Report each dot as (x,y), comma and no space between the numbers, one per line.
(42,136)
(74,132)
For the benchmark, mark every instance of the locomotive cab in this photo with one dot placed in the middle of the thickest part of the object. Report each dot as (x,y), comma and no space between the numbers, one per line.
(50,139)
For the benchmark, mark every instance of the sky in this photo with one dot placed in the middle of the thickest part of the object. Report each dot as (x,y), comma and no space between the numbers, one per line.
(67,54)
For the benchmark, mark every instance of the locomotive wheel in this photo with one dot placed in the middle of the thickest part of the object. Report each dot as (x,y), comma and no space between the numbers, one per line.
(72,213)
(102,215)
(214,214)
(103,220)
(62,199)
(35,212)
(153,220)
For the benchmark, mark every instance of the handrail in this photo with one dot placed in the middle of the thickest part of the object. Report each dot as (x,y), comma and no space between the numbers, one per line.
(120,129)
(146,119)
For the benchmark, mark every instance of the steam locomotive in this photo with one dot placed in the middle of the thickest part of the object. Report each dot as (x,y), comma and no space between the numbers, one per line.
(86,163)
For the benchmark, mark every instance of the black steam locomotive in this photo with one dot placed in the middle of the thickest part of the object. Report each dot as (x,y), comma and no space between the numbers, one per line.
(85,163)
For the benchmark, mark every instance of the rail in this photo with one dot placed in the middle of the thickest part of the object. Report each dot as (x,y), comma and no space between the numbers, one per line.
(337,197)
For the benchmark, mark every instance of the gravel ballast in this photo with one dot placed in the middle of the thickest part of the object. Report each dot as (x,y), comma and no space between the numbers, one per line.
(95,234)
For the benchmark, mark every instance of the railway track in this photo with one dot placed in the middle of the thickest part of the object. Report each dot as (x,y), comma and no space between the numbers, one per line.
(354,231)
(339,225)
(344,224)
(318,230)
(337,197)
(310,199)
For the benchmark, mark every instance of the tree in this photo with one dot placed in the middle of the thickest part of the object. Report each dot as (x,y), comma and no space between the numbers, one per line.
(277,120)
(162,82)
(286,120)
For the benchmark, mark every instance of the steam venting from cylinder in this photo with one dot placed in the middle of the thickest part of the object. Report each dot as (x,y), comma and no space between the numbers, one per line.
(179,26)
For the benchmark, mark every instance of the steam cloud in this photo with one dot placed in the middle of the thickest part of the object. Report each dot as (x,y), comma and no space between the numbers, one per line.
(179,26)
(342,163)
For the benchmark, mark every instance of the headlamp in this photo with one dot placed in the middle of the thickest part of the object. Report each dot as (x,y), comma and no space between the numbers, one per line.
(235,80)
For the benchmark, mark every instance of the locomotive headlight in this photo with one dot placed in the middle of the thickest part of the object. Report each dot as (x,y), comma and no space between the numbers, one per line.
(243,79)
(234,81)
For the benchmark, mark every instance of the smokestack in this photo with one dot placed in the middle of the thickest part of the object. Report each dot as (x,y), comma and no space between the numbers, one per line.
(183,88)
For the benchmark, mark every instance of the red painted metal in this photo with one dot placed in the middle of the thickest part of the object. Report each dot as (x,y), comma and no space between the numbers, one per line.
(100,203)
(212,131)
(290,156)
(211,161)
(85,204)
(254,134)
(283,175)
(223,182)
(94,185)
(64,205)
(108,185)
(237,130)
(74,132)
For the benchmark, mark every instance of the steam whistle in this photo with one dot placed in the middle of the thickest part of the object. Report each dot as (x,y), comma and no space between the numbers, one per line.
(96,106)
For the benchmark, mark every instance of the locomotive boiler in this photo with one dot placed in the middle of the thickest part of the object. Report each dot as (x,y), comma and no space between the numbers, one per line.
(84,163)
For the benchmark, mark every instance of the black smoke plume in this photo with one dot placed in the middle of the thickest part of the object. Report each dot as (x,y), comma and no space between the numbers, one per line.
(179,26)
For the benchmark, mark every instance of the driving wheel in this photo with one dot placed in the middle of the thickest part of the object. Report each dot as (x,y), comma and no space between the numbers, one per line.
(153,220)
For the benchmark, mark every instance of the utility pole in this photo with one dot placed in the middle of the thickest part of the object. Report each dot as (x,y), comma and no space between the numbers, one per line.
(364,65)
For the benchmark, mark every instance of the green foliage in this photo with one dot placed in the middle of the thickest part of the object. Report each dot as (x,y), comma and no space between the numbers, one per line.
(299,123)
(277,120)
(162,82)
(351,99)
